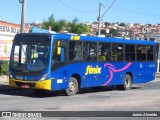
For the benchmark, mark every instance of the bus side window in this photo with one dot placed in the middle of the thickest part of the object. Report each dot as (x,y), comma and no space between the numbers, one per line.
(150,53)
(55,57)
(90,51)
(129,52)
(59,57)
(85,51)
(114,52)
(75,51)
(117,52)
(141,53)
(71,50)
(100,55)
(104,52)
(78,53)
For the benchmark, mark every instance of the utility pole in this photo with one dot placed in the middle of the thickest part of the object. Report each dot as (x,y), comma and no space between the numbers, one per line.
(99,19)
(101,16)
(23,2)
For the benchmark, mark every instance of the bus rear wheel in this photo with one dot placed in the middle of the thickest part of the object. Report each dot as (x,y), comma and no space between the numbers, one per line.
(127,83)
(73,87)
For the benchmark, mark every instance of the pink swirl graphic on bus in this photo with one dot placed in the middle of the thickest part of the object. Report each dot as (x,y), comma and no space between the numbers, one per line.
(113,69)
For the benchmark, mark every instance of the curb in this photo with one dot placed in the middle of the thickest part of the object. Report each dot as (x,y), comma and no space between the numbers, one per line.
(4,83)
(4,79)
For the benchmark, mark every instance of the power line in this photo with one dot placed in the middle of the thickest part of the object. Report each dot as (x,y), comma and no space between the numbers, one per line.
(20,1)
(74,8)
(109,7)
(137,12)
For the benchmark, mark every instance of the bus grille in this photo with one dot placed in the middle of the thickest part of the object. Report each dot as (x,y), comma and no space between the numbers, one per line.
(31,85)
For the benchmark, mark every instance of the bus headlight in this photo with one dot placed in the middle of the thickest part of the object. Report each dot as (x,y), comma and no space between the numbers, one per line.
(44,77)
(10,75)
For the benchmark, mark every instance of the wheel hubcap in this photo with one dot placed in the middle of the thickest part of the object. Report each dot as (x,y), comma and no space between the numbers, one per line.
(127,82)
(72,86)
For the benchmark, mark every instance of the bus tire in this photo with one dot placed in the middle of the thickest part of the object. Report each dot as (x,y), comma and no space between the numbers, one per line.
(127,83)
(73,87)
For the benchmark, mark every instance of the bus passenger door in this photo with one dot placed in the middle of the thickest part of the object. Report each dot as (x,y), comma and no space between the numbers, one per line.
(91,68)
(141,64)
(58,69)
(104,57)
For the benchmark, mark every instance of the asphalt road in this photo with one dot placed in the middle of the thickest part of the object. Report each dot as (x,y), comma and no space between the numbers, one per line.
(143,97)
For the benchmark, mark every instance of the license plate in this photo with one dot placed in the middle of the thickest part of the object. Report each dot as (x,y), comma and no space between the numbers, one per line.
(24,86)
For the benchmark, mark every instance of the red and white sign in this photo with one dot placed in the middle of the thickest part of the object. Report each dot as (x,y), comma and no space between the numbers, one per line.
(7,33)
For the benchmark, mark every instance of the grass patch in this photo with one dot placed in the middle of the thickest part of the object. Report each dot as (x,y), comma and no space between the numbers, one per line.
(4,68)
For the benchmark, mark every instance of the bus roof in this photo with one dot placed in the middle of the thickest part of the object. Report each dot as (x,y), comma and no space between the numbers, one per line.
(92,38)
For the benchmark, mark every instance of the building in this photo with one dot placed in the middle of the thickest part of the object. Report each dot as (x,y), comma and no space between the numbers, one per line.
(155,37)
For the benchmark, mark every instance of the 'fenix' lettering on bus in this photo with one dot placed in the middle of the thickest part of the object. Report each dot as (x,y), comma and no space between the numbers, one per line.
(93,70)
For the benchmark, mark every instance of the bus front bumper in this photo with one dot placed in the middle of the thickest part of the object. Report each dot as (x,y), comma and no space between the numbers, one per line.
(42,85)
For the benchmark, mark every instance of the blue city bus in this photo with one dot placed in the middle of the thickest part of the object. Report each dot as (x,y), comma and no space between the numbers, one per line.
(52,62)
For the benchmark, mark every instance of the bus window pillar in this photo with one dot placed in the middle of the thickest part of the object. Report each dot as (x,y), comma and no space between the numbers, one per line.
(158,58)
(158,65)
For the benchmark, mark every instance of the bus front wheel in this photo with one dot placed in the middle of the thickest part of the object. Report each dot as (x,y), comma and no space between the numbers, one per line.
(73,87)
(127,83)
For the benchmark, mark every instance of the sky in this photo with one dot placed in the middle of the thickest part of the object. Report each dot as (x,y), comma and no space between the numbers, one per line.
(127,11)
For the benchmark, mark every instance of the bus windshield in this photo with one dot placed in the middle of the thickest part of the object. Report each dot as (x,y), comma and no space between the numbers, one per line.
(30,54)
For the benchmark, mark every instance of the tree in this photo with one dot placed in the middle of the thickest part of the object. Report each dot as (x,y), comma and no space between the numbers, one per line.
(103,31)
(58,26)
(55,25)
(49,23)
(73,26)
(114,33)
(107,23)
(117,23)
(149,24)
(78,28)
(122,24)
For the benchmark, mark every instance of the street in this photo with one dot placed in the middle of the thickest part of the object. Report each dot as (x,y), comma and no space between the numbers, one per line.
(142,97)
